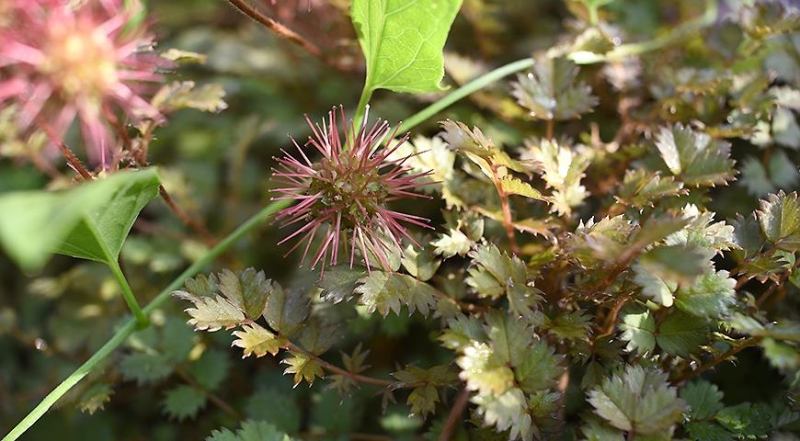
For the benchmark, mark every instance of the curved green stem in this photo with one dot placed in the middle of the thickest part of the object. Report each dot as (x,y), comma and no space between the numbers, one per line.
(463,91)
(141,319)
(361,110)
(130,326)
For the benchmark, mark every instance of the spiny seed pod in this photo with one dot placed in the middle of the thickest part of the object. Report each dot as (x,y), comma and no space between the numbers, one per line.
(346,192)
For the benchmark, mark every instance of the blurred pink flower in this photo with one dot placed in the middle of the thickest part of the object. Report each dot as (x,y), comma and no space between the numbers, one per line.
(62,60)
(345,193)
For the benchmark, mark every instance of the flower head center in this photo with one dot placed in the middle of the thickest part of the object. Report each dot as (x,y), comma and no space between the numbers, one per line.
(81,60)
(348,187)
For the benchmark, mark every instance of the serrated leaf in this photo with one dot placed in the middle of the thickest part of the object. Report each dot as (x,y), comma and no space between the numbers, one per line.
(483,370)
(317,336)
(286,310)
(763,268)
(386,292)
(506,411)
(681,334)
(95,397)
(562,169)
(638,400)
(255,340)
(782,170)
(460,331)
(779,216)
(248,289)
(303,368)
(675,264)
(747,236)
(708,237)
(745,420)
(421,264)
(497,273)
(277,407)
(453,243)
(145,368)
(550,92)
(601,242)
(595,431)
(569,325)
(251,431)
(539,368)
(177,339)
(89,221)
(428,155)
(782,356)
(510,337)
(512,185)
(184,95)
(339,282)
(183,402)
(703,398)
(641,188)
(708,431)
(695,158)
(215,313)
(638,329)
(423,400)
(478,148)
(711,295)
(755,178)
(653,287)
(199,286)
(403,42)
(210,369)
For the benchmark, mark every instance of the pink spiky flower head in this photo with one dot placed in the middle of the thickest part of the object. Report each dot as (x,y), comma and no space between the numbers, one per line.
(345,193)
(63,60)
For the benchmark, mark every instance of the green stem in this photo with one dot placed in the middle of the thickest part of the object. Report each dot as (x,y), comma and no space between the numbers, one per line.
(127,293)
(113,264)
(130,326)
(361,110)
(463,91)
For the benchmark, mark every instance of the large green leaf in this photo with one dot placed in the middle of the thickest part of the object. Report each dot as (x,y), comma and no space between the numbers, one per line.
(403,41)
(90,221)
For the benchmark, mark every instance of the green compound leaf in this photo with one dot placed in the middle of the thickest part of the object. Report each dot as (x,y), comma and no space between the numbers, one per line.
(90,221)
(423,400)
(421,264)
(460,331)
(339,282)
(95,397)
(255,340)
(703,398)
(495,273)
(211,369)
(550,92)
(286,310)
(251,431)
(746,420)
(711,295)
(484,371)
(779,217)
(682,334)
(708,431)
(638,400)
(214,313)
(695,158)
(507,411)
(145,368)
(403,42)
(512,185)
(303,368)
(641,188)
(247,289)
(638,330)
(183,402)
(386,292)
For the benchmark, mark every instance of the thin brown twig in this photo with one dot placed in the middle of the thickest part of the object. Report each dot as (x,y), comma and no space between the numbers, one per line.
(68,154)
(751,341)
(454,416)
(352,375)
(283,32)
(219,402)
(508,221)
